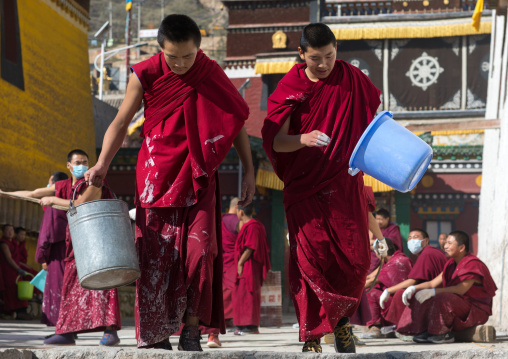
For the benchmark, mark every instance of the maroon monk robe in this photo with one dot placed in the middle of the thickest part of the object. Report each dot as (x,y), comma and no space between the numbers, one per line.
(247,292)
(23,260)
(428,265)
(191,122)
(325,207)
(452,312)
(393,272)
(392,231)
(229,235)
(83,310)
(51,250)
(10,297)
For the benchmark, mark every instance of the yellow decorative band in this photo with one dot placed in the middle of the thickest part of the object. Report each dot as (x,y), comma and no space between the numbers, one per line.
(266,68)
(376,185)
(406,32)
(269,179)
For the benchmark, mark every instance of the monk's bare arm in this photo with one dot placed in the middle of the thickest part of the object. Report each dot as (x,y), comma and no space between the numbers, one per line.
(91,193)
(244,258)
(247,253)
(374,227)
(242,147)
(283,142)
(38,193)
(459,289)
(370,278)
(402,285)
(116,132)
(434,283)
(52,200)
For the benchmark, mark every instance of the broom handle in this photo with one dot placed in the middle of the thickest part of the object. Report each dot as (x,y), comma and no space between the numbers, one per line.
(35,200)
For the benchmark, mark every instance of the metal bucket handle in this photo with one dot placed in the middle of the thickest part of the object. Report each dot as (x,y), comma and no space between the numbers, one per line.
(72,208)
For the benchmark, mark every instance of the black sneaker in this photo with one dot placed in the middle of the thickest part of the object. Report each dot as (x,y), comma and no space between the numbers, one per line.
(421,338)
(189,339)
(344,342)
(312,346)
(443,338)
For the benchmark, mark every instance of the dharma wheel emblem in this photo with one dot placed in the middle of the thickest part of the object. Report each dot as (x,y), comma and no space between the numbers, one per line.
(424,71)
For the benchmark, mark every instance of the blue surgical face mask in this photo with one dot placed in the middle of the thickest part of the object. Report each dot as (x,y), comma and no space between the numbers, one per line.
(79,171)
(414,246)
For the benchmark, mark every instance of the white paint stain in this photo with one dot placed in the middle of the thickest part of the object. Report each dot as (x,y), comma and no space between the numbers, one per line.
(148,140)
(212,140)
(147,195)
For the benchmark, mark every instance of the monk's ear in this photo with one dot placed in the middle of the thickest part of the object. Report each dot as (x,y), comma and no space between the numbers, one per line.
(301,53)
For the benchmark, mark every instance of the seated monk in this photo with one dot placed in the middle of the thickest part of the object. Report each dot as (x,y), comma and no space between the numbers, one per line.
(389,230)
(396,269)
(428,265)
(458,298)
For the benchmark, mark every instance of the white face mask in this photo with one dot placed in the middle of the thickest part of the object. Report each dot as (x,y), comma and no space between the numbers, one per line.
(414,246)
(79,171)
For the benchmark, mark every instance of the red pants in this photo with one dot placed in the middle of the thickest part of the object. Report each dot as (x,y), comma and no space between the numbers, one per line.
(83,310)
(177,250)
(439,315)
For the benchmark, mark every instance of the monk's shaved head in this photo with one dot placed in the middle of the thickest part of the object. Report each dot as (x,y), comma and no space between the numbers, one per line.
(234,202)
(316,36)
(461,237)
(177,28)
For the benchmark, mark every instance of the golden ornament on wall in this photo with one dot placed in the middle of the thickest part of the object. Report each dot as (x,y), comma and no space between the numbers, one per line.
(279,40)
(478,181)
(427,181)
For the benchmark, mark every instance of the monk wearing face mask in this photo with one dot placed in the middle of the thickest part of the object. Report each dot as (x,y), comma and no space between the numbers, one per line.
(81,310)
(428,265)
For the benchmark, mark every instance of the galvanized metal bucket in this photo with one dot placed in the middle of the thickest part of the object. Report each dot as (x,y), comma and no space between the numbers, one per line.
(103,243)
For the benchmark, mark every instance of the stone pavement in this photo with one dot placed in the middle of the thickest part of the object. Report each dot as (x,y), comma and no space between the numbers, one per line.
(25,337)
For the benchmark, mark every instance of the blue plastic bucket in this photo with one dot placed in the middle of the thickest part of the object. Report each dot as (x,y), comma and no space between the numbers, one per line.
(391,154)
(39,280)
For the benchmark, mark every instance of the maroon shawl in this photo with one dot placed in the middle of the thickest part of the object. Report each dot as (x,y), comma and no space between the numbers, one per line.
(253,236)
(190,124)
(470,267)
(395,270)
(428,265)
(53,228)
(341,106)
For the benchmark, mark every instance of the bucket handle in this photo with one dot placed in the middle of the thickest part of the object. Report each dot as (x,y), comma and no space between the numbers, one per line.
(27,273)
(353,171)
(72,208)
